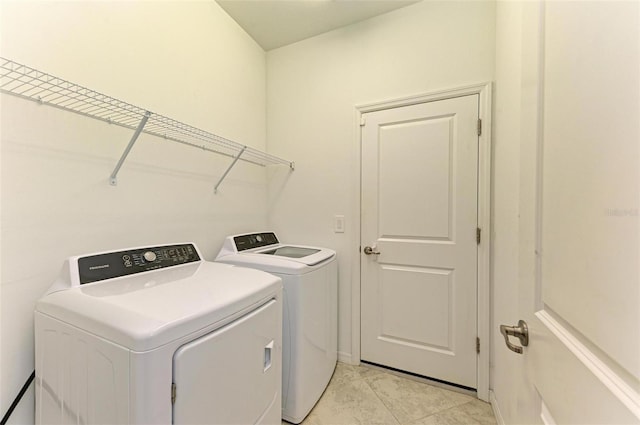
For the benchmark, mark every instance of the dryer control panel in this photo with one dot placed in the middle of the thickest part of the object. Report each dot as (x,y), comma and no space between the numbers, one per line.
(122,263)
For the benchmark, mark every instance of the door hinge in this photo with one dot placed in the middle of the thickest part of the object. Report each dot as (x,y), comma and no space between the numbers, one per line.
(479,127)
(173,393)
(478,235)
(477,345)
(363,120)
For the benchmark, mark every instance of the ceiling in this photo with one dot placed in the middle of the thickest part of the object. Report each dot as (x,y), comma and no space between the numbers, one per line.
(276,23)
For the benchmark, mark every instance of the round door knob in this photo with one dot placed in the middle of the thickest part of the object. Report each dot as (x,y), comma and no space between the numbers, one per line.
(371,251)
(149,256)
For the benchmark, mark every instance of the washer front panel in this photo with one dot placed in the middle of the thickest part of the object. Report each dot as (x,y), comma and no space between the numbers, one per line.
(232,375)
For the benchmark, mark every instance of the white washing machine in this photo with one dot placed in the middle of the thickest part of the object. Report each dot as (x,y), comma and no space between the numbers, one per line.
(157,336)
(310,323)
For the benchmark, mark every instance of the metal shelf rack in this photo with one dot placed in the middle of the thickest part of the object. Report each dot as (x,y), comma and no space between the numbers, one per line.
(29,83)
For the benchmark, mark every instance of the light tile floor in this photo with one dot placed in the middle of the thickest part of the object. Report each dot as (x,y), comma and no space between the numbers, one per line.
(368,396)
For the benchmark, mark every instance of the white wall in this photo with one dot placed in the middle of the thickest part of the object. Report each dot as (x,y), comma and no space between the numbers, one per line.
(312,89)
(187,60)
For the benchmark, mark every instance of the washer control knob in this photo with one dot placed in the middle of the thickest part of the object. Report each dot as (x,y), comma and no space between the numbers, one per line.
(149,256)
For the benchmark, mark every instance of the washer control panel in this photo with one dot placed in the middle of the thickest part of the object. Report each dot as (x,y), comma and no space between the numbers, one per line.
(122,263)
(254,240)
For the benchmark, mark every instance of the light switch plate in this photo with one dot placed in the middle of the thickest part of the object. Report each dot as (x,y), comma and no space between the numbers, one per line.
(338,224)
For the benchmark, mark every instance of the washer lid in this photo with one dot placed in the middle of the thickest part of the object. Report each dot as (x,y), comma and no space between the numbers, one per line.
(306,255)
(147,310)
(283,259)
(292,251)
(264,252)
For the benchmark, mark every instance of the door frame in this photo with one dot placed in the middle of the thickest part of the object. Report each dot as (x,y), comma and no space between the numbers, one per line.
(483,90)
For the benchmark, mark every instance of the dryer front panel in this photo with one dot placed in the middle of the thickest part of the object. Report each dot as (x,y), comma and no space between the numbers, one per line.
(232,375)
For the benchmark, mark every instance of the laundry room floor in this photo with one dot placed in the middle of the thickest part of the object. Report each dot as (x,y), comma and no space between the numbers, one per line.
(366,395)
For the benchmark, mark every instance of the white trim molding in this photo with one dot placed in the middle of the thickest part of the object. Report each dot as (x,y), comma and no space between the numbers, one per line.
(345,358)
(484,92)
(629,397)
(496,408)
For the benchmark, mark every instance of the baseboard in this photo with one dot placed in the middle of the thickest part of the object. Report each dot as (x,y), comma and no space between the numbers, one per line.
(496,408)
(346,358)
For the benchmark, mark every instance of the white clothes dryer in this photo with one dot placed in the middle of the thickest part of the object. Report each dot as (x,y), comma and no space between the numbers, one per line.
(310,321)
(155,335)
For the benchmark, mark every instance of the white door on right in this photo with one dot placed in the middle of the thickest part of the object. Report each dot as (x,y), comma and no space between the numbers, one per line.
(419,211)
(579,214)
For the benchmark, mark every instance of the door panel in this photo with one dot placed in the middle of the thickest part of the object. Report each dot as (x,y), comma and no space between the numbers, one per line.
(430,214)
(579,227)
(592,198)
(432,304)
(419,208)
(587,293)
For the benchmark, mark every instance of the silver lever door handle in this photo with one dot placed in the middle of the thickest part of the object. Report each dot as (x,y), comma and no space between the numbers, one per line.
(521,332)
(371,251)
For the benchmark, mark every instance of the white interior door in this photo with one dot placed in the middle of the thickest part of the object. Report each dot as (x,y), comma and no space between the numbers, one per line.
(579,219)
(419,211)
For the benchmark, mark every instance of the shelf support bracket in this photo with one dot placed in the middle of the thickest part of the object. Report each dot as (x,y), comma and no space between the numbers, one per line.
(113,180)
(237,157)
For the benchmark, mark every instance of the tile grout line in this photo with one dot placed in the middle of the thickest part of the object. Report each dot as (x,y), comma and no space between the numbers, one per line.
(444,410)
(382,401)
(419,382)
(353,373)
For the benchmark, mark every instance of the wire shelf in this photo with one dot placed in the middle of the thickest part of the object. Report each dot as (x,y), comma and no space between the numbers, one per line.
(29,83)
